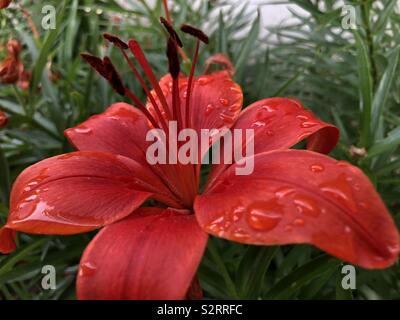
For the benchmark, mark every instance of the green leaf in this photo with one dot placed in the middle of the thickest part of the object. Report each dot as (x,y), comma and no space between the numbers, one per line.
(247,46)
(385,145)
(383,92)
(288,286)
(365,89)
(252,269)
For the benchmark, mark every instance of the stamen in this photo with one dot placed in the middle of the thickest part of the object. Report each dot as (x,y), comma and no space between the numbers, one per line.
(174,70)
(115,40)
(122,45)
(190,85)
(201,36)
(107,70)
(140,57)
(165,2)
(173,58)
(195,32)
(171,31)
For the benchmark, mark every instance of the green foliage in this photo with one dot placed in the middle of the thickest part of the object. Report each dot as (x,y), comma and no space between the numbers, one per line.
(347,77)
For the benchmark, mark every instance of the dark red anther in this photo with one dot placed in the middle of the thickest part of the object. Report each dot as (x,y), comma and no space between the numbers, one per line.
(115,40)
(106,69)
(171,31)
(173,58)
(113,76)
(195,32)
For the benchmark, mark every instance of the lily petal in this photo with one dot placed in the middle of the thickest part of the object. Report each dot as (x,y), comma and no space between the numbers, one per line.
(77,192)
(7,240)
(215,102)
(280,123)
(297,196)
(152,254)
(121,130)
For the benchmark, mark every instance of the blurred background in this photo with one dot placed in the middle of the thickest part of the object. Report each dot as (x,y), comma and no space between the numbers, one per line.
(339,58)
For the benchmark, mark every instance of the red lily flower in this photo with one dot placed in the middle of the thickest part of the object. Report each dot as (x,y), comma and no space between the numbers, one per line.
(4,3)
(293,196)
(12,69)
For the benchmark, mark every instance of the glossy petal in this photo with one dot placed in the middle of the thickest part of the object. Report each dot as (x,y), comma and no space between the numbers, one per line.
(122,130)
(77,192)
(7,240)
(152,254)
(280,123)
(215,101)
(296,196)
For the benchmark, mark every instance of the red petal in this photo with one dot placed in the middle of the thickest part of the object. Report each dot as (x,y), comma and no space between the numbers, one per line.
(280,123)
(152,254)
(215,101)
(77,192)
(7,240)
(296,196)
(122,130)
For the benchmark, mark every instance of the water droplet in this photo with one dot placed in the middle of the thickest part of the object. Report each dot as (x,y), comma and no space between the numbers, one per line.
(210,108)
(283,192)
(83,130)
(302,118)
(87,269)
(204,80)
(317,168)
(31,198)
(340,189)
(347,229)
(308,124)
(306,205)
(393,248)
(258,124)
(298,222)
(264,216)
(224,101)
(240,235)
(268,108)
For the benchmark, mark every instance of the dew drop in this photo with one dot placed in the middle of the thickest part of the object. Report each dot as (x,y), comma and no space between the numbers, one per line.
(87,269)
(204,80)
(317,168)
(347,229)
(298,222)
(268,108)
(224,101)
(258,124)
(302,118)
(308,124)
(264,216)
(283,192)
(83,130)
(306,206)
(210,108)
